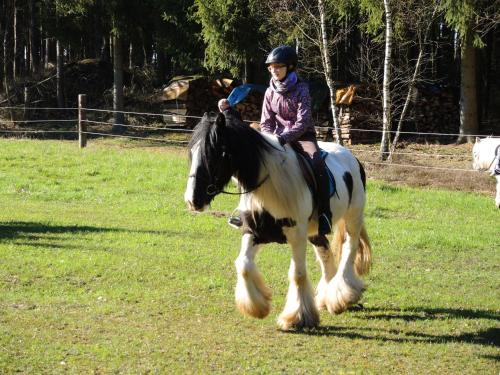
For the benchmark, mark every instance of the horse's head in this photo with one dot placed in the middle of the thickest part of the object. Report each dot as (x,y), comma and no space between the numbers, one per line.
(211,166)
(484,152)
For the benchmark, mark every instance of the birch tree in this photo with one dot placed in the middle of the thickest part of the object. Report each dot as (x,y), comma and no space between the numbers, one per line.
(313,24)
(386,91)
(421,17)
(327,69)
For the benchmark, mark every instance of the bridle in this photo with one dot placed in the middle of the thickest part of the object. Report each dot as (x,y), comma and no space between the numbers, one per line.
(494,157)
(216,191)
(213,190)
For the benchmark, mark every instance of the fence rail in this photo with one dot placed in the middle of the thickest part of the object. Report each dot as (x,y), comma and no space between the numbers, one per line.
(82,123)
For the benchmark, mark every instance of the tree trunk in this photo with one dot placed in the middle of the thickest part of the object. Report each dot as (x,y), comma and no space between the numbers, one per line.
(407,100)
(131,56)
(245,69)
(15,42)
(7,48)
(59,75)
(2,27)
(327,68)
(47,47)
(386,93)
(105,49)
(40,43)
(468,92)
(118,115)
(413,81)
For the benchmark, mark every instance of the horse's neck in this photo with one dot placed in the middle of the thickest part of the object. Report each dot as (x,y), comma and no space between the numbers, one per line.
(282,192)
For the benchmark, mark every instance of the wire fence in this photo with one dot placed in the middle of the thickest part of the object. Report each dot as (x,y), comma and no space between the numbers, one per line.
(81,123)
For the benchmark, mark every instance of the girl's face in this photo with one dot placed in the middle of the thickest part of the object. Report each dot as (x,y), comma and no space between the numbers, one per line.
(278,71)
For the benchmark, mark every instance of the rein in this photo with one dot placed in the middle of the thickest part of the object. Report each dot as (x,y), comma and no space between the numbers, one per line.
(213,190)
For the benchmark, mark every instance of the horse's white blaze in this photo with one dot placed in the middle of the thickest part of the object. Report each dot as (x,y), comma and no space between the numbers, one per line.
(484,156)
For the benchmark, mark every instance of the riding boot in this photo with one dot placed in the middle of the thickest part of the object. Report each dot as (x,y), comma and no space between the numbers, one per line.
(324,213)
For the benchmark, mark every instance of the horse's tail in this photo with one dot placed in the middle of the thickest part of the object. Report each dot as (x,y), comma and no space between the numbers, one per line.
(363,260)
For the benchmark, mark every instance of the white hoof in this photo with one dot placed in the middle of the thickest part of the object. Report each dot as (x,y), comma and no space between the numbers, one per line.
(343,293)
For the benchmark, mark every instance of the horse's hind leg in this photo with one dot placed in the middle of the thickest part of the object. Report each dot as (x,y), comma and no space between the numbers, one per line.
(300,309)
(252,296)
(346,288)
(326,260)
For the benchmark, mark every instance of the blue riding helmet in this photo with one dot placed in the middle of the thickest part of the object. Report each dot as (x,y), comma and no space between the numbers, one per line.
(283,55)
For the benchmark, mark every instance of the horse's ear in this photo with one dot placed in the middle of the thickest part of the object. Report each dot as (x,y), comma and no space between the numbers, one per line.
(478,139)
(221,120)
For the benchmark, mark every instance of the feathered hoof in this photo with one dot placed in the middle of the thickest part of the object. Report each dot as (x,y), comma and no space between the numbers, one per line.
(253,299)
(289,322)
(321,292)
(342,294)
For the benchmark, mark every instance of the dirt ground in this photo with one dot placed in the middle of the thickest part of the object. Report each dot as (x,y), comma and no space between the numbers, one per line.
(427,165)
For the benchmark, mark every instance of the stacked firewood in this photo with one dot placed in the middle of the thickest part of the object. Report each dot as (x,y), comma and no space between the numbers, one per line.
(202,96)
(251,107)
(361,121)
(432,110)
(358,126)
(436,111)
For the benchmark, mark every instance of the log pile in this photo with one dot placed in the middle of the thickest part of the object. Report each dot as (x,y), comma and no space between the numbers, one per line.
(251,107)
(436,110)
(433,110)
(361,121)
(203,95)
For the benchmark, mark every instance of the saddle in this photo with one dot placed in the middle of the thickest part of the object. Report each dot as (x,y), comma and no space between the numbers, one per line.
(306,167)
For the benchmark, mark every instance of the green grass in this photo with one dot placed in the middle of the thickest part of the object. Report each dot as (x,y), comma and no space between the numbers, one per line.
(102,269)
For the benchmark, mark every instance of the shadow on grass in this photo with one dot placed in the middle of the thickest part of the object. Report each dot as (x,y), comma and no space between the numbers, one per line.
(489,337)
(33,231)
(419,313)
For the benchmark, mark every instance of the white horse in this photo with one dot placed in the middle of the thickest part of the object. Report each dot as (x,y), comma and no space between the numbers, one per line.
(277,206)
(485,154)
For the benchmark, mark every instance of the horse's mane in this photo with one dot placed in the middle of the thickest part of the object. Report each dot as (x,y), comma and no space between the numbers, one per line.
(219,133)
(254,156)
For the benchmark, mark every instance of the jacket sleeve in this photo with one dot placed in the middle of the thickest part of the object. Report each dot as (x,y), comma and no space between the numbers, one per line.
(268,117)
(303,120)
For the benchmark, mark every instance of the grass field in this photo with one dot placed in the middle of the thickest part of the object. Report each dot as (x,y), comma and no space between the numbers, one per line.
(103,270)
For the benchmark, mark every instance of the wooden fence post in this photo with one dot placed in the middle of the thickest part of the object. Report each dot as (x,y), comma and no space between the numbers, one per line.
(82,117)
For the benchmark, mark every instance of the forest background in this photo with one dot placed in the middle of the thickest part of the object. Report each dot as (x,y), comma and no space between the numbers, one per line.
(394,49)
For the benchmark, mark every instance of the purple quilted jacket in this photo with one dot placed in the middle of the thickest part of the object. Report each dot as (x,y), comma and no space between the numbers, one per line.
(287,114)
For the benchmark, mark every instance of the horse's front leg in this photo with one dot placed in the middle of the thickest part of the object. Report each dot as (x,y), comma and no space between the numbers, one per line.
(300,309)
(252,296)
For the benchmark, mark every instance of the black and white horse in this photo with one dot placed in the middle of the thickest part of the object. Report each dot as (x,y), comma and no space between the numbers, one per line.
(277,206)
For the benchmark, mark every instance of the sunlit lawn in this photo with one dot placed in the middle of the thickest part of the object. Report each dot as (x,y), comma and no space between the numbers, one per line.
(103,270)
